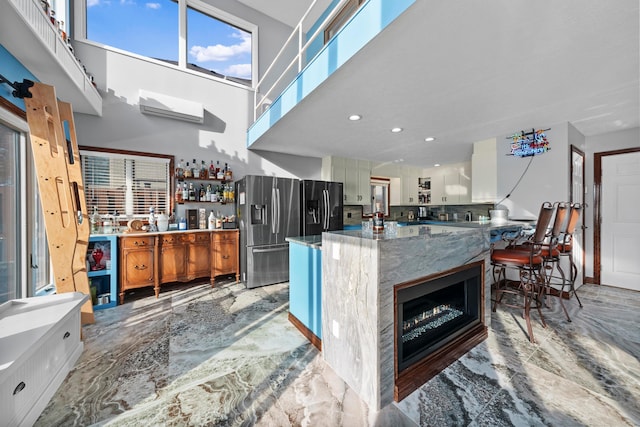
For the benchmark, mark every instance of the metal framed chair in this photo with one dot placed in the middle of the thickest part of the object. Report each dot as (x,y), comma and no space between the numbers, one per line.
(565,248)
(528,261)
(551,254)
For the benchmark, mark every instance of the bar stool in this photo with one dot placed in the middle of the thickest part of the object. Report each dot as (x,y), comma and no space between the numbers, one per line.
(565,248)
(528,261)
(551,254)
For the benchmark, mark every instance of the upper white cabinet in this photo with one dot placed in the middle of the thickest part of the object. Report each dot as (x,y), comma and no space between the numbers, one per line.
(333,169)
(450,184)
(357,186)
(410,177)
(355,174)
(484,172)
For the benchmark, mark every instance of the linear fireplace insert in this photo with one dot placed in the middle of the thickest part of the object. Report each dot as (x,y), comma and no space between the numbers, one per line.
(438,318)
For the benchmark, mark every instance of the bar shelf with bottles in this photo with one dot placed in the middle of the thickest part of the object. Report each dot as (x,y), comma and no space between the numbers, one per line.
(218,190)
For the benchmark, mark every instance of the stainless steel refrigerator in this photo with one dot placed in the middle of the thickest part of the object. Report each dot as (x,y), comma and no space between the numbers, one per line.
(321,206)
(268,212)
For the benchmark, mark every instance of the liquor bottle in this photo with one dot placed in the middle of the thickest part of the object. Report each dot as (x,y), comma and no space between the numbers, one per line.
(219,172)
(192,193)
(226,172)
(196,170)
(212,171)
(187,171)
(232,194)
(204,174)
(378,220)
(95,221)
(185,192)
(178,195)
(202,193)
(180,169)
(229,174)
(212,221)
(214,194)
(207,194)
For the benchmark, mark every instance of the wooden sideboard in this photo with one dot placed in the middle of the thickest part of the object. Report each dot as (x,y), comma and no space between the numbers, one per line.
(154,259)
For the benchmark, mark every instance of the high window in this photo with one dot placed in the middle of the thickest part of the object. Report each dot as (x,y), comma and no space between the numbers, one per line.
(341,18)
(210,41)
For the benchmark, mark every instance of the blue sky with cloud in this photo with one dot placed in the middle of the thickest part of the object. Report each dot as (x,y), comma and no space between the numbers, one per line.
(150,28)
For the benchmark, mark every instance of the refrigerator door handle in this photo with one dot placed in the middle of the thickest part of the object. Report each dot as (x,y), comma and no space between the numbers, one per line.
(273,210)
(278,209)
(325,195)
(262,251)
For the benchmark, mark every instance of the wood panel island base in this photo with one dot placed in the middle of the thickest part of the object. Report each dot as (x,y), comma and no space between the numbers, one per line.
(396,307)
(154,259)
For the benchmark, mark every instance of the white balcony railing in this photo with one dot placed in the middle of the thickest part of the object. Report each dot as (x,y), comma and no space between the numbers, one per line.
(294,55)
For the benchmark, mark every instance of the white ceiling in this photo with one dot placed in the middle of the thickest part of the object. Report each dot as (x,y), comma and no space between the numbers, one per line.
(289,11)
(464,71)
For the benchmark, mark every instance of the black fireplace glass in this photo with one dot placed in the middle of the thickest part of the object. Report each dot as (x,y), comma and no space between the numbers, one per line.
(432,313)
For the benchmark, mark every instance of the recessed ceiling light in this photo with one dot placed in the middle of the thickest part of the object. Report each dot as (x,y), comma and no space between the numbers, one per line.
(437,165)
(355,117)
(396,130)
(429,139)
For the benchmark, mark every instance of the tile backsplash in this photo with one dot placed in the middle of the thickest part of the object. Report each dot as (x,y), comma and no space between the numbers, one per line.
(353,213)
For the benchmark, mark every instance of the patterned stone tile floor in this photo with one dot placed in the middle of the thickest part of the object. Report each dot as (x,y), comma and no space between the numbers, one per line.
(228,356)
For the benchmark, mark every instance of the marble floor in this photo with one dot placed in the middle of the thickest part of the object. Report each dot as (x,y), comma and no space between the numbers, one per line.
(229,357)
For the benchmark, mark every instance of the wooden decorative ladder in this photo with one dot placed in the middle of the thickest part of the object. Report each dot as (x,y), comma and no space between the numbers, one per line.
(57,163)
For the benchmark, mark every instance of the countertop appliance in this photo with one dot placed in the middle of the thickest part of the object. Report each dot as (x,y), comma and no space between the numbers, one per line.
(268,212)
(320,206)
(423,212)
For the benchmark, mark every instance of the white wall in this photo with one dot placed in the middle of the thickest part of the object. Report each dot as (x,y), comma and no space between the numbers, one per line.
(546,179)
(222,136)
(619,140)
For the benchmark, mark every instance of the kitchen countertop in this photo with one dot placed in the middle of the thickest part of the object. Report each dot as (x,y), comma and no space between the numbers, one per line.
(433,228)
(153,233)
(469,224)
(311,241)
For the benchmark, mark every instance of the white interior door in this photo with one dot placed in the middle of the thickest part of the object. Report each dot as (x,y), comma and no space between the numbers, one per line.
(620,228)
(577,196)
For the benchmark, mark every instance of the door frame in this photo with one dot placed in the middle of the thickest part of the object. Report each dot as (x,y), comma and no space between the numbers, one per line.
(597,206)
(574,149)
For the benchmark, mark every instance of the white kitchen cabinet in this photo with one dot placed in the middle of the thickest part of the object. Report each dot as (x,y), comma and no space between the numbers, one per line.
(333,169)
(450,184)
(363,190)
(464,183)
(410,177)
(355,174)
(484,170)
(395,191)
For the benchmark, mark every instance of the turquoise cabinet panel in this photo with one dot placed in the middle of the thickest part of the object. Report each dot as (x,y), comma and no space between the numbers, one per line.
(102,269)
(305,286)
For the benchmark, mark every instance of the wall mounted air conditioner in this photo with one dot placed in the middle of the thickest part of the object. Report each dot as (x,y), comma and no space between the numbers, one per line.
(170,107)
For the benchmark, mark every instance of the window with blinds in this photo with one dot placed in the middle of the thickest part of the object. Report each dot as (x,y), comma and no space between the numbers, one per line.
(126,184)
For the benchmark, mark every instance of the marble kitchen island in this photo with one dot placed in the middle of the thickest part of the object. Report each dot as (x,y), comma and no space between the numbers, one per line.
(360,274)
